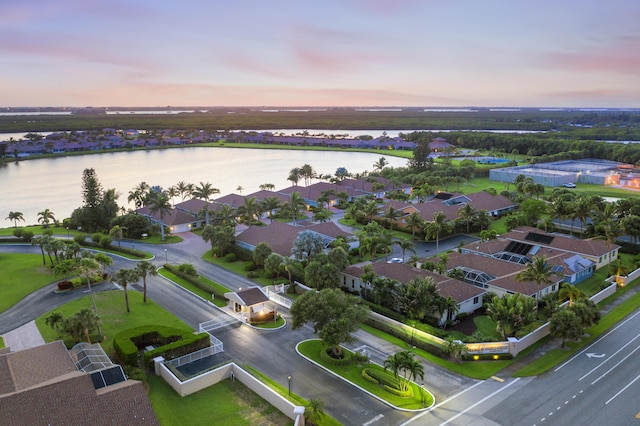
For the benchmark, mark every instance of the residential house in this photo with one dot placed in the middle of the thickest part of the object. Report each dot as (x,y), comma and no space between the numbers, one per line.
(467,297)
(44,386)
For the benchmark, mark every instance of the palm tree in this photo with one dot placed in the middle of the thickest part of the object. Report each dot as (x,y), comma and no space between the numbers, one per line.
(448,306)
(295,204)
(414,221)
(15,217)
(380,164)
(294,175)
(124,277)
(249,210)
(145,268)
(267,187)
(139,194)
(82,322)
(538,271)
(184,189)
(307,172)
(116,233)
(55,320)
(436,227)
(46,217)
(404,362)
(203,192)
(405,245)
(109,199)
(158,203)
(270,204)
(467,213)
(568,291)
(392,215)
(314,411)
(226,216)
(609,225)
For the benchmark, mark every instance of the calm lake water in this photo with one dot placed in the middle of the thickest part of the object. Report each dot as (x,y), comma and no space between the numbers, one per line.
(34,185)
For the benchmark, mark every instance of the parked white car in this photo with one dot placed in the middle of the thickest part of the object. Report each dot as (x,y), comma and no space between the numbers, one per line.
(394,260)
(569,185)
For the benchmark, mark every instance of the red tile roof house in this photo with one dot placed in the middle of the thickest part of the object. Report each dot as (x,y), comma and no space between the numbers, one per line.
(498,275)
(42,386)
(467,296)
(280,236)
(175,220)
(598,251)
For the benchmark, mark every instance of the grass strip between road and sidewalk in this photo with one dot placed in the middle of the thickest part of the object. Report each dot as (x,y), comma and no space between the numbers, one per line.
(195,289)
(326,420)
(556,356)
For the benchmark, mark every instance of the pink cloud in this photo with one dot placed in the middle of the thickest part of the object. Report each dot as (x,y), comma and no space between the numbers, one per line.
(620,57)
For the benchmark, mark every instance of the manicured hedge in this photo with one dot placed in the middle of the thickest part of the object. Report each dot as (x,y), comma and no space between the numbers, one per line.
(401,334)
(388,381)
(346,357)
(174,343)
(219,294)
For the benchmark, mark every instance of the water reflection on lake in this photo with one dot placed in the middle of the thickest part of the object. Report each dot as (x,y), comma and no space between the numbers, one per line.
(34,185)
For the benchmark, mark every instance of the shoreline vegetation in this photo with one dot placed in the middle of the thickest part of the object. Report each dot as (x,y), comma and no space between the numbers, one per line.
(582,132)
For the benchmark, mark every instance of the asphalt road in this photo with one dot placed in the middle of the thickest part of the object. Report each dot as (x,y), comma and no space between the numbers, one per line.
(597,386)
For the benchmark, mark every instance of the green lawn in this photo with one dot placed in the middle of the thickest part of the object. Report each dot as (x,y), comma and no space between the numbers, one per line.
(474,369)
(353,373)
(194,289)
(556,356)
(113,315)
(226,403)
(22,274)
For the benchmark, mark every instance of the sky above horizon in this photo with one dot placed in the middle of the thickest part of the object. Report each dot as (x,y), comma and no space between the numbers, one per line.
(455,53)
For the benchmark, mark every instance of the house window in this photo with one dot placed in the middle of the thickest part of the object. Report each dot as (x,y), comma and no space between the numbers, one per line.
(475,300)
(353,284)
(553,287)
(344,280)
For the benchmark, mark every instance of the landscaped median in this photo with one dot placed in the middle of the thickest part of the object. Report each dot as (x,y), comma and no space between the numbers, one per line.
(351,371)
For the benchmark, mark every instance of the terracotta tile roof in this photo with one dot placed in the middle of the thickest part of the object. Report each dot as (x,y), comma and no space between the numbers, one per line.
(234,200)
(489,265)
(590,247)
(280,236)
(448,287)
(171,218)
(49,390)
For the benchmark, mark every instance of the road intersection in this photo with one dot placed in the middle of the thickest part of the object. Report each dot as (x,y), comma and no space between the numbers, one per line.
(598,385)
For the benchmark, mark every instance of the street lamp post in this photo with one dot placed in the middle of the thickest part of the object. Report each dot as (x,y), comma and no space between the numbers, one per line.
(166,261)
(289,379)
(68,233)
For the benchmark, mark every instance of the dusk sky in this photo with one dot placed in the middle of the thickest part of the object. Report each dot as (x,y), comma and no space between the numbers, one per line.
(544,53)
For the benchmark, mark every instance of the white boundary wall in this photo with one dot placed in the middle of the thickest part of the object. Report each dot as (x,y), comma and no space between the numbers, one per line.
(233,372)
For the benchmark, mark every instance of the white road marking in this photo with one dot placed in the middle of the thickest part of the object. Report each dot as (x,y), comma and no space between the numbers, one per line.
(608,359)
(480,402)
(594,343)
(373,420)
(442,403)
(622,390)
(617,364)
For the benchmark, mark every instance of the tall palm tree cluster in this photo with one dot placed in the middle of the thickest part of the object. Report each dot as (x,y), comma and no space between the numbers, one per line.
(418,300)
(579,212)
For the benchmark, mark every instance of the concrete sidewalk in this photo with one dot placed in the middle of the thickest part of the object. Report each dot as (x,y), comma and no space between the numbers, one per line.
(24,337)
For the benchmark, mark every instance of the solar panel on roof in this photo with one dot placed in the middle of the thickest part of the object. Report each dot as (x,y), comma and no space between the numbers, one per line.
(539,238)
(107,377)
(518,248)
(557,268)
